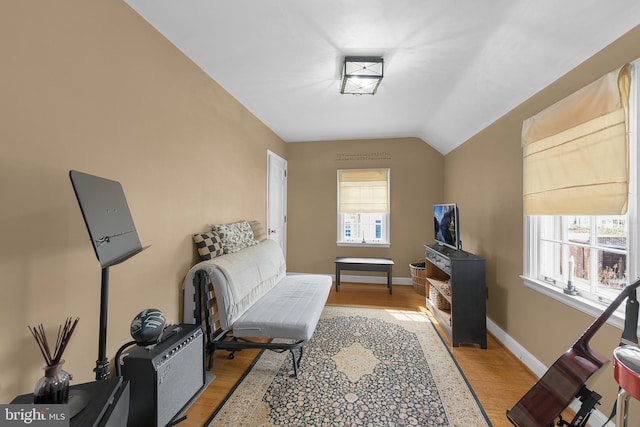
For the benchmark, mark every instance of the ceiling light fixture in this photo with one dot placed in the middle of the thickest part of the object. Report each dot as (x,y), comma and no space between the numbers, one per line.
(361,75)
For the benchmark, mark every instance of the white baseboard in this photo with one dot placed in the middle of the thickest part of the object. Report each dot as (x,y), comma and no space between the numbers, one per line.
(597,418)
(518,350)
(370,279)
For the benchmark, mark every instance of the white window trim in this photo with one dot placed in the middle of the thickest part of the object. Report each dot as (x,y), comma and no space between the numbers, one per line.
(367,244)
(555,292)
(577,302)
(364,245)
(386,244)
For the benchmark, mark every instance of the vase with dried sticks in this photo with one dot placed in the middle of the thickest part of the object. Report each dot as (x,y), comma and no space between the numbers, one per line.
(53,387)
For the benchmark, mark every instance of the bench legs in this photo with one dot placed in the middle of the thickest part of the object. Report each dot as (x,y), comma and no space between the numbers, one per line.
(385,268)
(389,285)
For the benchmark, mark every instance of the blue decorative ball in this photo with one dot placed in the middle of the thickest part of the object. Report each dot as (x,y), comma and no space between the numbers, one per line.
(147,326)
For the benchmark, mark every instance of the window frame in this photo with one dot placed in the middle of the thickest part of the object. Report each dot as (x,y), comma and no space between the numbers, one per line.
(553,285)
(594,306)
(385,242)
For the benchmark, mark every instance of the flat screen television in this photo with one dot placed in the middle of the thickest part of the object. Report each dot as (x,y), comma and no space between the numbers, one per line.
(446,225)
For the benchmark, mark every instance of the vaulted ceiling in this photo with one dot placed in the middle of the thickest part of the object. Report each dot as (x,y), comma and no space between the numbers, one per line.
(451,67)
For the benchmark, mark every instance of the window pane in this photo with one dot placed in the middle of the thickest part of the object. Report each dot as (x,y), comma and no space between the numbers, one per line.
(612,246)
(612,232)
(612,269)
(363,227)
(550,227)
(581,257)
(579,229)
(550,260)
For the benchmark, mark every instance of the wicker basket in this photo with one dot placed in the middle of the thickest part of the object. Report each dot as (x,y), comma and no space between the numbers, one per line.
(418,276)
(438,300)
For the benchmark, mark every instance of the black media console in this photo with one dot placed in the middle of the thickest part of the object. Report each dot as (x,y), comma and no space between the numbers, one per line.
(459,277)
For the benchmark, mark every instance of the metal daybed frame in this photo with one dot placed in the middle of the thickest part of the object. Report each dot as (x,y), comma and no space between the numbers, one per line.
(206,312)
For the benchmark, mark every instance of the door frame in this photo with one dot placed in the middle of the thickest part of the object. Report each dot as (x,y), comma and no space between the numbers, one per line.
(272,197)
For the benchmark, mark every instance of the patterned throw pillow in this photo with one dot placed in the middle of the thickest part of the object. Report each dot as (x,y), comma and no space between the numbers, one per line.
(258,231)
(235,236)
(208,244)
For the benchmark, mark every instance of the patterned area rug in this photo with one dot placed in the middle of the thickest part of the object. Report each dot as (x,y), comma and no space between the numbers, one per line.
(369,367)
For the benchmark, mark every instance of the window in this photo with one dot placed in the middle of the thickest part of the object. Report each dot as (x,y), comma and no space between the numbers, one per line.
(589,251)
(596,253)
(363,207)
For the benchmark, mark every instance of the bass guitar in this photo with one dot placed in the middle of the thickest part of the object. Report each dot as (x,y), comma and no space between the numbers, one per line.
(555,390)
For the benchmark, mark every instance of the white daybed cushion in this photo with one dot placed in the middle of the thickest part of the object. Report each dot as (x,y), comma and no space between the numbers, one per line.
(290,310)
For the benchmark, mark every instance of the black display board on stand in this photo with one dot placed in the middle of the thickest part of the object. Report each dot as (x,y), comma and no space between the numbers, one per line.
(113,236)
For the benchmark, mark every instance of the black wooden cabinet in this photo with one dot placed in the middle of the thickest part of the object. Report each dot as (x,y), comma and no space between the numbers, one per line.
(459,277)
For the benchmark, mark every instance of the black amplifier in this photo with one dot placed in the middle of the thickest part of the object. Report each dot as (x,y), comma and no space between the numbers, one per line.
(166,376)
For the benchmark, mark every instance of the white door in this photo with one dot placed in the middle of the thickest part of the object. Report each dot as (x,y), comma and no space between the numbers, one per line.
(277,200)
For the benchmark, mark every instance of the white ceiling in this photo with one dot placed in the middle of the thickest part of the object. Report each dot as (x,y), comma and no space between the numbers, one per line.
(451,67)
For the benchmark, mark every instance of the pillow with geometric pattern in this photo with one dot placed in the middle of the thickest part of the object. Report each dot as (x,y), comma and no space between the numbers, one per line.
(235,236)
(208,244)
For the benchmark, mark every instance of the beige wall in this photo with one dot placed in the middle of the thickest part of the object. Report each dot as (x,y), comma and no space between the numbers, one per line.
(91,86)
(485,177)
(416,184)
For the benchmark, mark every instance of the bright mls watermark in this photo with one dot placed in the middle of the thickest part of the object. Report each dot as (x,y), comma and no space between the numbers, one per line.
(34,415)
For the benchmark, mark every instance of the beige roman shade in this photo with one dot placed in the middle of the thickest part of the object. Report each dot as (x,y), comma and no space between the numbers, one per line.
(575,153)
(363,190)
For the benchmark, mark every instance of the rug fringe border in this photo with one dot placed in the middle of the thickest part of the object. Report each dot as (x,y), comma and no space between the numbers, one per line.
(233,389)
(464,377)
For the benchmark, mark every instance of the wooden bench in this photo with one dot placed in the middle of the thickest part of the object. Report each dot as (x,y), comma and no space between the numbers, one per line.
(364,264)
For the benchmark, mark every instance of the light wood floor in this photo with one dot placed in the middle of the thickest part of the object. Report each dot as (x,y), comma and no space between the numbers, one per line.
(498,378)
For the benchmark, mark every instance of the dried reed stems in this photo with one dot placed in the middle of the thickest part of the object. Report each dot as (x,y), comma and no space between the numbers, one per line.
(64,335)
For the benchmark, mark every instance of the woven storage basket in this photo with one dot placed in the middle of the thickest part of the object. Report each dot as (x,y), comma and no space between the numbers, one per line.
(418,276)
(438,300)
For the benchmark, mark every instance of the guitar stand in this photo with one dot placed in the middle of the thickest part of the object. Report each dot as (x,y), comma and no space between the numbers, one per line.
(589,401)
